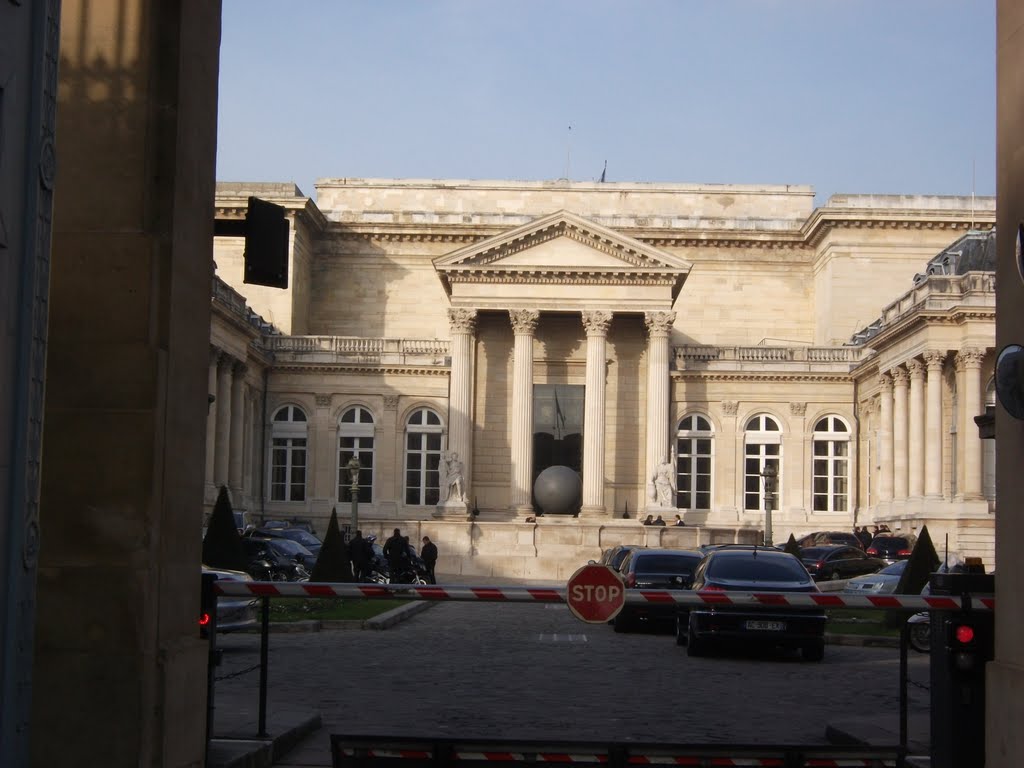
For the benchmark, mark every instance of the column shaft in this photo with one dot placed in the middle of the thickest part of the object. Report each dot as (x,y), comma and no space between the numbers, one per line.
(885,449)
(916,436)
(211,416)
(237,430)
(596,323)
(899,434)
(223,438)
(524,323)
(970,360)
(659,326)
(460,391)
(933,426)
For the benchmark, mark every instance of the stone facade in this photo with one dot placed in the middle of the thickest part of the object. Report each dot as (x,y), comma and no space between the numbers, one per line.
(709,329)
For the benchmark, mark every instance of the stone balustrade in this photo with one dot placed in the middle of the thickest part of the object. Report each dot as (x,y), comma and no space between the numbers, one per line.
(712,357)
(355,349)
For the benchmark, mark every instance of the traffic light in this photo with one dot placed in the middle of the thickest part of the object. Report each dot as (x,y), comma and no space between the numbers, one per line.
(207,606)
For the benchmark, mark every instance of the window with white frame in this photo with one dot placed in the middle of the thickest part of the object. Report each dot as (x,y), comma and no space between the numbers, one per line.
(288,454)
(355,438)
(693,462)
(830,471)
(423,434)
(762,447)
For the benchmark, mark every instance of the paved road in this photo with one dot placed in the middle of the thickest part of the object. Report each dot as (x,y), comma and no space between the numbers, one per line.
(534,671)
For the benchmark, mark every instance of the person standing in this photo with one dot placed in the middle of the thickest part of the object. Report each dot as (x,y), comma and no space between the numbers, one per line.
(394,551)
(429,554)
(358,550)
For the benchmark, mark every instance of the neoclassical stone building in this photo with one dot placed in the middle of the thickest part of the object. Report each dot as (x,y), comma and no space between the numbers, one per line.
(698,332)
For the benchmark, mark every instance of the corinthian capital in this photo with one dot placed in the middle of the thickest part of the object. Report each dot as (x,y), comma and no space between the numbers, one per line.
(462,320)
(916,368)
(899,376)
(934,359)
(524,320)
(596,322)
(969,358)
(885,382)
(659,322)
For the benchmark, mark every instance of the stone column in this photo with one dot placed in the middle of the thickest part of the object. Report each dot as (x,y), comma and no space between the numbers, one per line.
(524,323)
(659,326)
(916,436)
(899,433)
(885,433)
(237,430)
(460,394)
(969,361)
(211,418)
(596,323)
(223,439)
(933,426)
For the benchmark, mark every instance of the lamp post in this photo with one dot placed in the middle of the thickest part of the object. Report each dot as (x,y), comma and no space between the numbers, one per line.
(353,468)
(770,478)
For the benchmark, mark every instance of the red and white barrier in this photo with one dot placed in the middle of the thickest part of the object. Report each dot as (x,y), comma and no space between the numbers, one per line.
(528,594)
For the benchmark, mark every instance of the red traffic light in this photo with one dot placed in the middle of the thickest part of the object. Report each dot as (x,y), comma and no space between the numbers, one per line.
(204,620)
(964,634)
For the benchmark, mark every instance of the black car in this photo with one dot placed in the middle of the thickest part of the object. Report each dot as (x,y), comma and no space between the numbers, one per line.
(835,561)
(298,535)
(752,570)
(613,557)
(891,547)
(820,538)
(654,569)
(277,559)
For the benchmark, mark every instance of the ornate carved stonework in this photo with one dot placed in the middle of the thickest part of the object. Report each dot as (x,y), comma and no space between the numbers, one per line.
(596,322)
(934,359)
(524,320)
(390,402)
(969,358)
(885,382)
(730,407)
(916,368)
(238,368)
(462,320)
(323,401)
(798,409)
(900,376)
(659,322)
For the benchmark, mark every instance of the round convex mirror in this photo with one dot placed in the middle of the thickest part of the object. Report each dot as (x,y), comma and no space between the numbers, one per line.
(1010,379)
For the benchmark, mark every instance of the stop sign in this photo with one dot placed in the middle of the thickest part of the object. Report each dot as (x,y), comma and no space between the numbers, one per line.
(595,594)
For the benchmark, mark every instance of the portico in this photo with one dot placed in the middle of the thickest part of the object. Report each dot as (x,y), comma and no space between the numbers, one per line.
(561,265)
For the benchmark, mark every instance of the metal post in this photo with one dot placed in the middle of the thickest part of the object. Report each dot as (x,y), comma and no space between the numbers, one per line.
(264,649)
(353,467)
(904,641)
(770,478)
(209,601)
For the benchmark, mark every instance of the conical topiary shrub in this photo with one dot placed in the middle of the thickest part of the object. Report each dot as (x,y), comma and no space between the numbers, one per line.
(222,547)
(923,562)
(792,547)
(333,564)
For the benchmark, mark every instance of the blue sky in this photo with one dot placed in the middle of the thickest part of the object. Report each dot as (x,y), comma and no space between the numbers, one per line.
(855,96)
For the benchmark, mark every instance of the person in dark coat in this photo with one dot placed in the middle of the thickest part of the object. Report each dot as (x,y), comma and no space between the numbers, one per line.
(429,554)
(395,551)
(358,551)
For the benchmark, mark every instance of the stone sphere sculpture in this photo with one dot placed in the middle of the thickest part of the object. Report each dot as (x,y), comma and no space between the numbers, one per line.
(557,490)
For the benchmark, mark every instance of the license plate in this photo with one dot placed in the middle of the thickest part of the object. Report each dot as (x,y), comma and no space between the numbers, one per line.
(767,626)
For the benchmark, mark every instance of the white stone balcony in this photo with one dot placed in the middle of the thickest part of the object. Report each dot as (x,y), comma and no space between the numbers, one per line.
(360,350)
(939,293)
(765,358)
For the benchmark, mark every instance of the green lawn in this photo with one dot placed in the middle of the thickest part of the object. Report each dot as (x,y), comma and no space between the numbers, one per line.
(329,608)
(864,621)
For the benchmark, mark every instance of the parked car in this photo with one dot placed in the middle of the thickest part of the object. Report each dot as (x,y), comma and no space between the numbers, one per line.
(837,561)
(298,535)
(277,559)
(892,547)
(819,538)
(233,613)
(884,582)
(613,557)
(705,548)
(654,569)
(752,570)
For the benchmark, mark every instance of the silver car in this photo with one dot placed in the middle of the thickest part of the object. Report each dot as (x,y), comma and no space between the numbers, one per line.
(234,613)
(882,583)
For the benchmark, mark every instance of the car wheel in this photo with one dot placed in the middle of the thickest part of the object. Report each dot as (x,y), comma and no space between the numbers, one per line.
(682,630)
(694,645)
(814,652)
(621,623)
(921,637)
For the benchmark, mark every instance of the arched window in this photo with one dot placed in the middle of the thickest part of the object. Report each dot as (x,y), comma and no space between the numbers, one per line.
(693,463)
(831,469)
(422,458)
(988,450)
(355,436)
(288,454)
(762,447)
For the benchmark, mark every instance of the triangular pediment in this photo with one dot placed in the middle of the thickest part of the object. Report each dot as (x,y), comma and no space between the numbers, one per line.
(566,249)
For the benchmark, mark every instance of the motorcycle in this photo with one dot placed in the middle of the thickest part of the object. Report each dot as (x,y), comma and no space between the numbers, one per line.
(920,632)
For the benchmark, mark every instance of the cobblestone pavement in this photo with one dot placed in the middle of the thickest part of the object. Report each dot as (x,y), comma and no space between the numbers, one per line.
(532,671)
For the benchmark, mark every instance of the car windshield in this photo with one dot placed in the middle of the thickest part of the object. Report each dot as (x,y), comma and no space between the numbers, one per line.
(289,547)
(304,538)
(666,563)
(757,569)
(618,557)
(890,543)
